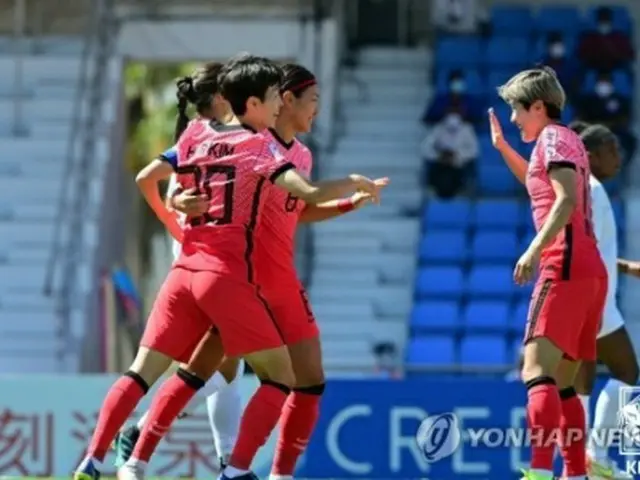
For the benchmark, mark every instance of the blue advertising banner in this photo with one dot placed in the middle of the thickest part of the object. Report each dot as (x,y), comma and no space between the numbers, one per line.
(367,429)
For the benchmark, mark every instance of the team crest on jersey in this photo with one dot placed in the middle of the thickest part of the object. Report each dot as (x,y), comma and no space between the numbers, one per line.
(275,151)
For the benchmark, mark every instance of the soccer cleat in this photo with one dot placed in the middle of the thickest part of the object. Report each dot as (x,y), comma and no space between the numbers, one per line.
(125,443)
(529,475)
(246,476)
(86,471)
(130,472)
(605,470)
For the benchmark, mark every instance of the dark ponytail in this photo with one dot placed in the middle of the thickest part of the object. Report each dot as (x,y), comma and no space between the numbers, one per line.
(296,79)
(185,94)
(199,90)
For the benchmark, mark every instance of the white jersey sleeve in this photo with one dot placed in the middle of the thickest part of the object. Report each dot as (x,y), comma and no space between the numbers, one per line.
(604,226)
(173,186)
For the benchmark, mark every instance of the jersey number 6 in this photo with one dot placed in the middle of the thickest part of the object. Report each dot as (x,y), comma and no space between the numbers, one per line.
(204,184)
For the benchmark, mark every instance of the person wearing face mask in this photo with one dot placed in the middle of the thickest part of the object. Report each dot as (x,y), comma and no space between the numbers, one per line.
(449,151)
(562,61)
(606,106)
(457,97)
(604,48)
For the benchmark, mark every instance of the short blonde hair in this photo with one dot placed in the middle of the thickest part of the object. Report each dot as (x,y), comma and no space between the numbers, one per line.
(528,86)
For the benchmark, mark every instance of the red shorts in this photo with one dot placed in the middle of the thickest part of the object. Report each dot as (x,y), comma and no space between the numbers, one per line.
(292,313)
(190,302)
(569,313)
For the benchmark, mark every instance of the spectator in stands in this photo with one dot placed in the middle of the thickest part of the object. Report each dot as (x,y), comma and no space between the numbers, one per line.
(605,106)
(563,62)
(458,16)
(605,49)
(469,106)
(449,150)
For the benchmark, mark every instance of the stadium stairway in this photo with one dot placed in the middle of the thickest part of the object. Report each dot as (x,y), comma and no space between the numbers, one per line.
(32,166)
(363,267)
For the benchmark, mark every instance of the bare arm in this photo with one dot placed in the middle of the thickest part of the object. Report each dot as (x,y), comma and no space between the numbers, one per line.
(629,267)
(324,191)
(335,208)
(563,181)
(147,181)
(513,159)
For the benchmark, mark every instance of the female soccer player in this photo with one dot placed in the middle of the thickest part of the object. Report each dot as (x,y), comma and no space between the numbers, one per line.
(231,163)
(221,392)
(275,267)
(570,293)
(614,347)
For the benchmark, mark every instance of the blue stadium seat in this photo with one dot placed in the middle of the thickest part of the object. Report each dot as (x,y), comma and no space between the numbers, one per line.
(516,349)
(490,281)
(511,20)
(447,214)
(497,213)
(621,19)
(486,315)
(434,350)
(496,180)
(458,52)
(488,154)
(507,52)
(613,186)
(436,314)
(565,19)
(526,239)
(621,82)
(484,350)
(618,211)
(440,282)
(568,114)
(524,292)
(444,247)
(474,83)
(541,46)
(519,316)
(495,246)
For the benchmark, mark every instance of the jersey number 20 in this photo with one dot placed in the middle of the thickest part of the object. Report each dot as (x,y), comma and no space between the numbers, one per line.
(203,180)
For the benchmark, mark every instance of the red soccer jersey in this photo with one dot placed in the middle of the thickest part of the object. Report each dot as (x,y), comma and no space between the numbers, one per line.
(231,164)
(573,253)
(275,252)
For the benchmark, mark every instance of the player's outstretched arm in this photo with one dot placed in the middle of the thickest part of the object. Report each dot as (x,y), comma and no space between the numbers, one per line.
(324,191)
(147,181)
(629,267)
(513,159)
(335,208)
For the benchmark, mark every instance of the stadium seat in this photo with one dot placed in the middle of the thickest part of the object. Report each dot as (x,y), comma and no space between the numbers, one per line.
(440,282)
(511,20)
(458,52)
(494,247)
(488,154)
(541,46)
(565,19)
(486,315)
(497,213)
(496,180)
(490,281)
(447,214)
(524,292)
(506,53)
(474,83)
(443,247)
(484,350)
(519,316)
(436,315)
(435,350)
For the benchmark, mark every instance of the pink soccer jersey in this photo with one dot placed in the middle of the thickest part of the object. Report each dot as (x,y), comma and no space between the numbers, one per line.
(275,252)
(573,253)
(231,165)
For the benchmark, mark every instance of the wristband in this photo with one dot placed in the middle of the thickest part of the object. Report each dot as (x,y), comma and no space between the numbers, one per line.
(345,205)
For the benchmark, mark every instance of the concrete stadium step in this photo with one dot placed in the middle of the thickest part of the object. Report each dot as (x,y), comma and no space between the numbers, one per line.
(363,310)
(390,56)
(362,277)
(25,302)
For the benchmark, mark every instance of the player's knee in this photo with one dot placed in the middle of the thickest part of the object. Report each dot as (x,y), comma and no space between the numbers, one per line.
(538,381)
(280,386)
(144,385)
(191,379)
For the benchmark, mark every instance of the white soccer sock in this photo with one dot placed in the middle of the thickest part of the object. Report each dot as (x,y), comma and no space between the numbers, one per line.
(232,472)
(605,416)
(216,383)
(586,406)
(225,410)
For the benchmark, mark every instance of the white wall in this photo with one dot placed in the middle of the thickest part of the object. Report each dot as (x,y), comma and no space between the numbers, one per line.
(284,39)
